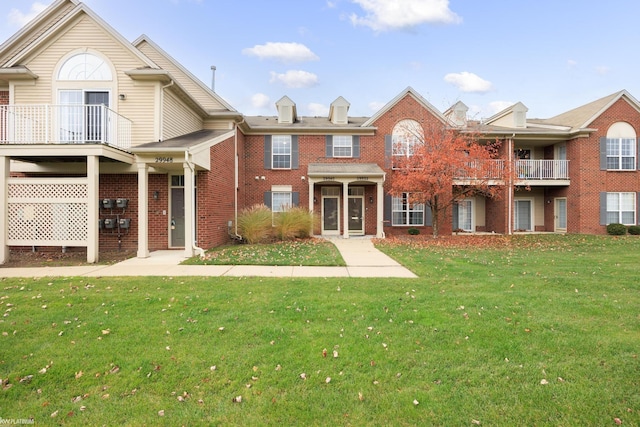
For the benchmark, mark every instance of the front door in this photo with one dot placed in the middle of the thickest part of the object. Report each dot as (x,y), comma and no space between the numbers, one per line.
(176,229)
(95,127)
(330,215)
(560,215)
(356,215)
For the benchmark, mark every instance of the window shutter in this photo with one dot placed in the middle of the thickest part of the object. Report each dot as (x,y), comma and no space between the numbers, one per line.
(356,147)
(638,153)
(295,198)
(428,220)
(638,208)
(454,224)
(388,151)
(328,146)
(387,208)
(295,154)
(267,199)
(603,208)
(603,153)
(267,151)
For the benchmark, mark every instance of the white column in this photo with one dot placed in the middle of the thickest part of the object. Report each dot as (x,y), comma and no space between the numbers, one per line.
(311,204)
(143,210)
(380,210)
(93,187)
(345,210)
(4,206)
(188,210)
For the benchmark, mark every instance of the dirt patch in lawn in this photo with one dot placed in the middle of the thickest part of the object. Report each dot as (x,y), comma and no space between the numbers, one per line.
(57,258)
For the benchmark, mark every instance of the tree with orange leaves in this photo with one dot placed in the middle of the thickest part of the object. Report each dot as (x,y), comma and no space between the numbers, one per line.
(439,166)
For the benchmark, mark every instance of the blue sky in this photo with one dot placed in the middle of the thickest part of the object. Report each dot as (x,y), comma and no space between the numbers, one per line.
(551,55)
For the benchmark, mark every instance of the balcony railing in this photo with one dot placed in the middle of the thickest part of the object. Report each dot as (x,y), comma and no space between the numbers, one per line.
(64,124)
(542,169)
(533,170)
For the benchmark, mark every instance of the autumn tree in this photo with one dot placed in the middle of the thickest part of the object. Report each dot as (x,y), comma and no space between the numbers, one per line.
(439,166)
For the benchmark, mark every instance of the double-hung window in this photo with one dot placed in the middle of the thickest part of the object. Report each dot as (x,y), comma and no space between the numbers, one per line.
(621,153)
(281,152)
(406,213)
(621,208)
(342,146)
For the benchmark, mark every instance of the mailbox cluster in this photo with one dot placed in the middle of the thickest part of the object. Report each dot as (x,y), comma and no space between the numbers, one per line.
(114,210)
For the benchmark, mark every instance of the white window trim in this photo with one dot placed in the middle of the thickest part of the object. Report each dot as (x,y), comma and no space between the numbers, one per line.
(349,146)
(620,156)
(619,210)
(273,152)
(410,208)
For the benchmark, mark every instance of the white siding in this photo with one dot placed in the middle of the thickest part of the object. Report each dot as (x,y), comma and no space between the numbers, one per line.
(178,119)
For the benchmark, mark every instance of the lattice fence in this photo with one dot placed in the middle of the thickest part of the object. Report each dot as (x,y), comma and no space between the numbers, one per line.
(47,212)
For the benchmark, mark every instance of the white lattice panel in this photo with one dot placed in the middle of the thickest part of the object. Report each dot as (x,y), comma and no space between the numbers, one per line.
(47,213)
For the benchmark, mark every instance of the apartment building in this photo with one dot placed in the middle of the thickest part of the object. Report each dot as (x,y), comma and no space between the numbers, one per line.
(106,143)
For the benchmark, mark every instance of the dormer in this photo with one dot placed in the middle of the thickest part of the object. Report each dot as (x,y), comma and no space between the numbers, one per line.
(457,114)
(513,117)
(338,113)
(286,110)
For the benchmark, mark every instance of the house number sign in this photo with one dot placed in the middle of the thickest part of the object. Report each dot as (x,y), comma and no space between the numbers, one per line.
(164,159)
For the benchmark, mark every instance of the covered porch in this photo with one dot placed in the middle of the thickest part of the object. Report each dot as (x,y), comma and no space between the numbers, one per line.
(349,198)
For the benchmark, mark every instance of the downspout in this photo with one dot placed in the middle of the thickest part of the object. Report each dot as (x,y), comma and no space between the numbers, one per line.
(511,172)
(236,180)
(192,238)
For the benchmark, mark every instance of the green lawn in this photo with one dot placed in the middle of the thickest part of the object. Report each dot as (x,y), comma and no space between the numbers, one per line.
(534,330)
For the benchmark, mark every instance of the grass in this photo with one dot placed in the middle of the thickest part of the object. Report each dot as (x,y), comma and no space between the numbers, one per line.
(528,331)
(308,252)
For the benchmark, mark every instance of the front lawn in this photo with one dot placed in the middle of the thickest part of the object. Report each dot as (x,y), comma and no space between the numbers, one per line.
(537,331)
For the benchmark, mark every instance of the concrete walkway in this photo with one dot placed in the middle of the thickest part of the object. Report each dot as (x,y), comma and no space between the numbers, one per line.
(362,258)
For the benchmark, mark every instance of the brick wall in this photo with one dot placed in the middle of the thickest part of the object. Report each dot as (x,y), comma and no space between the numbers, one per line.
(113,187)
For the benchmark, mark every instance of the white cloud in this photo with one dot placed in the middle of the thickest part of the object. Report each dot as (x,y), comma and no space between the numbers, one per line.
(488,110)
(602,70)
(18,18)
(285,52)
(260,100)
(318,110)
(384,15)
(295,78)
(468,82)
(497,106)
(571,63)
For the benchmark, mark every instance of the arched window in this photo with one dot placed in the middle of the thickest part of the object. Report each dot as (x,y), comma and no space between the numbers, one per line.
(621,147)
(405,135)
(85,67)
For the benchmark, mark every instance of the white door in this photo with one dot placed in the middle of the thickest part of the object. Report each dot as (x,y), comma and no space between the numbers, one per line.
(523,216)
(465,215)
(560,215)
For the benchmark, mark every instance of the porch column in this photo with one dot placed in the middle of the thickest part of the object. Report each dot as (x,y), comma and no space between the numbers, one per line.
(189,235)
(311,207)
(4,190)
(380,210)
(143,210)
(93,188)
(345,209)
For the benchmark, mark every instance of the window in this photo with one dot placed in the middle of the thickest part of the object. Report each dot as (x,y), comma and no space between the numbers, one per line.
(405,213)
(280,201)
(621,208)
(342,146)
(621,153)
(85,66)
(406,134)
(281,152)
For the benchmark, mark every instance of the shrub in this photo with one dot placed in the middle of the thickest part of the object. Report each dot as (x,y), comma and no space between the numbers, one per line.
(616,229)
(413,231)
(634,229)
(254,224)
(294,223)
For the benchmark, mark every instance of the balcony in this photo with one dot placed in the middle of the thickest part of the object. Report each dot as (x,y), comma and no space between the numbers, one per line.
(532,172)
(64,124)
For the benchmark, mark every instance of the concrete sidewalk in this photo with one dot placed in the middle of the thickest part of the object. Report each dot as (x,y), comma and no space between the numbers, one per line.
(362,258)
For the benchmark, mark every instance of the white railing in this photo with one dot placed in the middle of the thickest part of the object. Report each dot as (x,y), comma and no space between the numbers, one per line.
(63,124)
(542,169)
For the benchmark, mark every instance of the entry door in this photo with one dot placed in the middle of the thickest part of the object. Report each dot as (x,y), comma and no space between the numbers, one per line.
(330,215)
(356,215)
(560,215)
(463,215)
(523,216)
(96,130)
(177,217)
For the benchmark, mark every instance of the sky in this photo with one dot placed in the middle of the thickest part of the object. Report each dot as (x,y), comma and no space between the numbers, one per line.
(551,55)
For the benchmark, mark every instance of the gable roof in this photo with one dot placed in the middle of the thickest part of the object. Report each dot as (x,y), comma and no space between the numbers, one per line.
(408,91)
(583,116)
